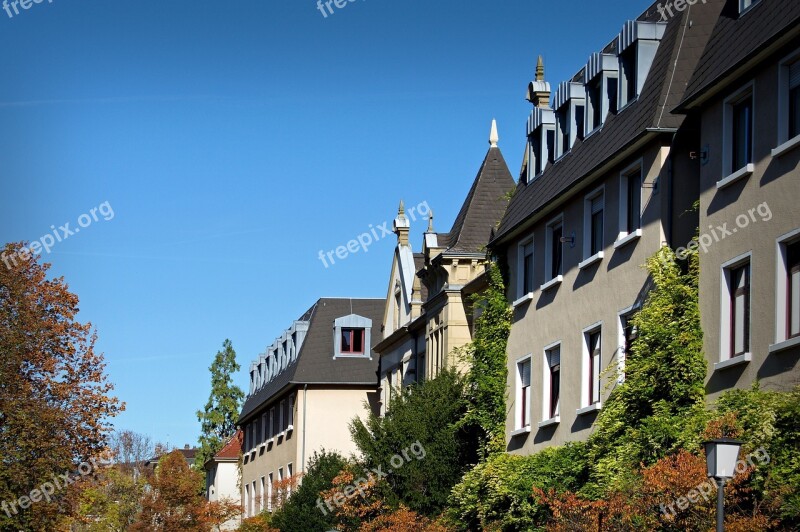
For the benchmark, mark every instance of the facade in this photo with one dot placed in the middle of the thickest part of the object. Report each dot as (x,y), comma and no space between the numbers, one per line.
(608,178)
(304,391)
(222,476)
(745,94)
(427,316)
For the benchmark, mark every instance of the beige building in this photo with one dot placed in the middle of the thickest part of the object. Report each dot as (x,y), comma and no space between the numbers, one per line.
(304,392)
(427,314)
(745,94)
(609,177)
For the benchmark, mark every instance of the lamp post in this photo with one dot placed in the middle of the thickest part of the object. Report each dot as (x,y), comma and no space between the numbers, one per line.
(721,458)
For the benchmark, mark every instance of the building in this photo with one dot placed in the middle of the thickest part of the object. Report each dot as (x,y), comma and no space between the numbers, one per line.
(222,476)
(745,94)
(427,314)
(609,176)
(304,391)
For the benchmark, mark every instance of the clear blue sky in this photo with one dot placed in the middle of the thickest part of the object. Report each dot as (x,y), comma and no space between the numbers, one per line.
(235,140)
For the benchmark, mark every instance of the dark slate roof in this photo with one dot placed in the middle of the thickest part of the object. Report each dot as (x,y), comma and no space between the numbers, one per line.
(736,39)
(315,363)
(419,264)
(483,208)
(677,55)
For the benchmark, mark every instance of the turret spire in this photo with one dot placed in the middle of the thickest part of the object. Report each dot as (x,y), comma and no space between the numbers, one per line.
(493,137)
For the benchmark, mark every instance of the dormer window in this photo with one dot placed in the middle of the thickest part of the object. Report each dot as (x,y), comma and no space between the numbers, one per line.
(636,48)
(569,102)
(745,5)
(541,141)
(352,336)
(601,89)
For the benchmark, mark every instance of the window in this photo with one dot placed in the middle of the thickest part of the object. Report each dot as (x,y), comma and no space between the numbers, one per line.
(735,309)
(289,476)
(788,104)
(536,147)
(269,491)
(527,268)
(524,393)
(630,215)
(613,90)
(794,100)
(579,121)
(594,104)
(593,341)
(280,486)
(352,336)
(562,124)
(744,5)
(281,414)
(793,290)
(555,249)
(593,225)
(290,413)
(551,145)
(262,499)
(275,426)
(627,334)
(254,504)
(742,140)
(247,501)
(553,387)
(627,78)
(352,341)
(263,427)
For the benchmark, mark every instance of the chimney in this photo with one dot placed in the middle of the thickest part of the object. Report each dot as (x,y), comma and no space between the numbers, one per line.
(187,447)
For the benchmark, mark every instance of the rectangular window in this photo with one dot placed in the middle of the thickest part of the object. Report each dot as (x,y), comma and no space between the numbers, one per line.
(742,139)
(536,145)
(269,491)
(551,145)
(594,104)
(634,201)
(794,100)
(562,121)
(279,494)
(556,250)
(613,90)
(255,499)
(527,268)
(262,501)
(281,415)
(740,310)
(289,476)
(627,79)
(247,501)
(744,5)
(596,225)
(275,427)
(554,370)
(291,410)
(793,289)
(524,369)
(593,376)
(352,341)
(579,121)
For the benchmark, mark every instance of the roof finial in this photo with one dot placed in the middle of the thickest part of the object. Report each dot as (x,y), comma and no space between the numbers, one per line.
(430,222)
(493,138)
(402,210)
(540,69)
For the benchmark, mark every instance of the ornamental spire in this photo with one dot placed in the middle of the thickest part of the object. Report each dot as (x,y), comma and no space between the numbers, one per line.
(493,137)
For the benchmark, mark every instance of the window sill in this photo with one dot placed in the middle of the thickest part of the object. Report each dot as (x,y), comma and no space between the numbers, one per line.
(743,172)
(735,361)
(786,344)
(551,283)
(520,432)
(589,409)
(628,238)
(289,429)
(786,146)
(597,257)
(524,299)
(549,422)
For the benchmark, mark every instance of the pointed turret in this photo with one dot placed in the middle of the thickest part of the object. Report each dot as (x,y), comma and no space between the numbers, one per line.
(493,137)
(539,89)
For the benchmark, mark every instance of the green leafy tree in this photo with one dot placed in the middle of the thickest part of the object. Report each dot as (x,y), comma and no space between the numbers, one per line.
(427,415)
(303,510)
(218,419)
(486,358)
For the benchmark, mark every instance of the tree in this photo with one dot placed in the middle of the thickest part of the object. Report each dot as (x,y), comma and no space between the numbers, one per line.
(486,357)
(130,449)
(175,501)
(218,420)
(112,502)
(54,394)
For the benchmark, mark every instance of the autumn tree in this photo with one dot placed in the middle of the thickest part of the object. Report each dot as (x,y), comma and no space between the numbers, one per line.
(175,501)
(130,449)
(55,399)
(218,419)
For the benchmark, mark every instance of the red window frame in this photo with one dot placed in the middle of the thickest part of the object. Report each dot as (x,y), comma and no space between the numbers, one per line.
(351,333)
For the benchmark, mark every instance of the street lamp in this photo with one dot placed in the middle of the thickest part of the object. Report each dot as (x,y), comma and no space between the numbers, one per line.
(721,458)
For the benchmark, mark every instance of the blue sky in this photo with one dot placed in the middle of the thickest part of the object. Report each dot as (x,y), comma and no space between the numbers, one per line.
(235,140)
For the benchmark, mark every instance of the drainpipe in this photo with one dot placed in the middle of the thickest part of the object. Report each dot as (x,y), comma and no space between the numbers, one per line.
(305,405)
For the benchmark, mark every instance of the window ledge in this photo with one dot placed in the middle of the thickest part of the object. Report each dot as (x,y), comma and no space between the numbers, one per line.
(627,239)
(597,257)
(520,432)
(786,344)
(735,361)
(524,299)
(589,409)
(741,173)
(550,422)
(551,283)
(289,429)
(786,146)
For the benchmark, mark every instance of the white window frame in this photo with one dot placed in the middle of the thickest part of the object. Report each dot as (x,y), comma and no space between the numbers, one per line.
(271,478)
(261,503)
(280,480)
(586,378)
(784,142)
(588,258)
(247,501)
(548,253)
(521,267)
(730,174)
(547,418)
(518,425)
(623,316)
(289,476)
(624,236)
(725,359)
(782,340)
